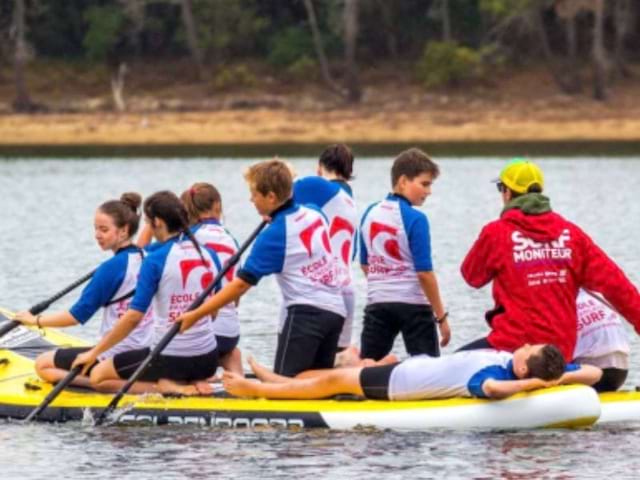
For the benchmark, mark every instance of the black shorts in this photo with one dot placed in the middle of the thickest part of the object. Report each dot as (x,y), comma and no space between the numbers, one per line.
(180,369)
(374,381)
(611,380)
(308,340)
(226,344)
(383,322)
(64,357)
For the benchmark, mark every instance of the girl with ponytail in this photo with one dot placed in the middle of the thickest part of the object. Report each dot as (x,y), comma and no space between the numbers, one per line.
(204,207)
(111,287)
(172,276)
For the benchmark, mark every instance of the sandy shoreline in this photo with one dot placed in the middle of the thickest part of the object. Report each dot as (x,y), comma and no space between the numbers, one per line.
(280,126)
(520,106)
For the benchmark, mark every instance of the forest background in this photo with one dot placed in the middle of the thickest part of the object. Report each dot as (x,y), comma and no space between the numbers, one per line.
(317,71)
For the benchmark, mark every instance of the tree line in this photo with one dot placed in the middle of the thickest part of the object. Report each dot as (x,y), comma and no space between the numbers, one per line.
(583,43)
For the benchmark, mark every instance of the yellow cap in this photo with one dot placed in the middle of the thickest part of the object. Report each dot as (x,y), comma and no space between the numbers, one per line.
(520,174)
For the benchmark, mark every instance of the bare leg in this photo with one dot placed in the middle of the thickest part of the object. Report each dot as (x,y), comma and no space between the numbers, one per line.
(365,362)
(47,371)
(104,378)
(388,360)
(266,375)
(349,357)
(331,382)
(232,361)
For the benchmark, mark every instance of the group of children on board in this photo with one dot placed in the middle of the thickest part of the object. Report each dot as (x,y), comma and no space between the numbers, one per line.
(544,270)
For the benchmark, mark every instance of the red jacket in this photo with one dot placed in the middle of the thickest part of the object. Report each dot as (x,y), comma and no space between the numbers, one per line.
(537,264)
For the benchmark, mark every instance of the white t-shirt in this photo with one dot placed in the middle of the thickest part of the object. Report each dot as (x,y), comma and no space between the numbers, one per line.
(602,339)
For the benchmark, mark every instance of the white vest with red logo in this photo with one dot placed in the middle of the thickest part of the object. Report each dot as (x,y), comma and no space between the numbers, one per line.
(385,248)
(214,236)
(171,279)
(296,248)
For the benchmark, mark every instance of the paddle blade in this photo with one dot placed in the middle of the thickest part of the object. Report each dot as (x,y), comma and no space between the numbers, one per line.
(9,326)
(54,393)
(164,341)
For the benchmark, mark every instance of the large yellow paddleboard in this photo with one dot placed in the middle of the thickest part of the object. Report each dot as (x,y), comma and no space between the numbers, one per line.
(21,391)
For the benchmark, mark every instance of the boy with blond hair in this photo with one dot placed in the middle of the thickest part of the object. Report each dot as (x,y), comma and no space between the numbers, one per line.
(295,247)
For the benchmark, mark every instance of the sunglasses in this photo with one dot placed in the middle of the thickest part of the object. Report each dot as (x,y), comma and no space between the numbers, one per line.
(501,187)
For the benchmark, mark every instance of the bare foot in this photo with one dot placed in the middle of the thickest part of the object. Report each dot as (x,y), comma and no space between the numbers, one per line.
(169,387)
(262,372)
(239,386)
(349,357)
(203,387)
(388,360)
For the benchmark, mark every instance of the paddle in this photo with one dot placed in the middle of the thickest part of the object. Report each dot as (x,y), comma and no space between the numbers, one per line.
(42,306)
(73,373)
(175,328)
(173,331)
(601,300)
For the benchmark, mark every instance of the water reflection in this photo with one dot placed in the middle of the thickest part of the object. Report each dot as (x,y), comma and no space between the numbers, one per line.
(192,452)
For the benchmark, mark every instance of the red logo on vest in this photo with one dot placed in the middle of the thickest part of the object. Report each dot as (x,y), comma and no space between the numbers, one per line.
(340,224)
(222,248)
(187,266)
(391,245)
(306,236)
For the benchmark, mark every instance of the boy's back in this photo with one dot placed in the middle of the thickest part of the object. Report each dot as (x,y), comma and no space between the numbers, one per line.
(295,247)
(395,253)
(395,245)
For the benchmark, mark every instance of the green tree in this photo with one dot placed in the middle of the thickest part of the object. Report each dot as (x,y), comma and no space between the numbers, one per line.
(226,29)
(106,26)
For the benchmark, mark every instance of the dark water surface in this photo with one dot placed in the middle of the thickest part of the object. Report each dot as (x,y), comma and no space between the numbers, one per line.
(46,216)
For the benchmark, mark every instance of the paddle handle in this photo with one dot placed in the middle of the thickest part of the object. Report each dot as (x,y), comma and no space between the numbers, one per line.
(175,328)
(602,301)
(54,393)
(42,306)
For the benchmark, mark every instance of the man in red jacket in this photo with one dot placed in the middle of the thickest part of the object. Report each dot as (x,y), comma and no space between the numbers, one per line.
(538,261)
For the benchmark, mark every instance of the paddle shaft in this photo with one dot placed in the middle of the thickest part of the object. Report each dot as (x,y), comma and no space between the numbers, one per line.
(602,301)
(54,393)
(175,328)
(42,306)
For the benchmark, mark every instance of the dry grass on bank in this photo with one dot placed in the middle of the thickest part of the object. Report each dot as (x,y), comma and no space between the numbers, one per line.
(522,106)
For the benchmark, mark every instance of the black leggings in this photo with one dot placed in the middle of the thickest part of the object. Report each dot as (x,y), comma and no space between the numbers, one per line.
(611,380)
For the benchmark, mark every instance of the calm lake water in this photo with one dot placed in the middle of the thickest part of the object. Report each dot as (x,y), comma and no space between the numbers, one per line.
(46,216)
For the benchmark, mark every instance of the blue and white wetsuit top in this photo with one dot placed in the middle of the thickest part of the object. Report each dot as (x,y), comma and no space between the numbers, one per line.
(172,276)
(111,287)
(395,244)
(295,247)
(461,374)
(210,233)
(335,200)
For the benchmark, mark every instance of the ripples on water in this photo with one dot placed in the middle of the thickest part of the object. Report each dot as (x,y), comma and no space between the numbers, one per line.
(46,217)
(63,451)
